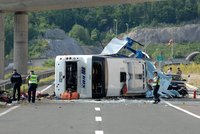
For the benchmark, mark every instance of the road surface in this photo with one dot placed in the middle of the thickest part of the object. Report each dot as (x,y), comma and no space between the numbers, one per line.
(108,116)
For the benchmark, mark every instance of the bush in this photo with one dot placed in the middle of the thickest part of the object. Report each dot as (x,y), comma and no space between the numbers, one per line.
(80,34)
(37,48)
(49,63)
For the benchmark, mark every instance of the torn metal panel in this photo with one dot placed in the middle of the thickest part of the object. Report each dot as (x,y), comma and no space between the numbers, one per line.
(114,46)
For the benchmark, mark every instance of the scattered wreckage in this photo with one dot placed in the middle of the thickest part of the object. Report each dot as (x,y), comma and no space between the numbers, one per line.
(109,74)
(5,97)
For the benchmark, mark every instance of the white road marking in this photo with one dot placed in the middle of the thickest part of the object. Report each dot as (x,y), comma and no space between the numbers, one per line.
(9,110)
(98,118)
(15,107)
(97,109)
(47,87)
(183,110)
(98,132)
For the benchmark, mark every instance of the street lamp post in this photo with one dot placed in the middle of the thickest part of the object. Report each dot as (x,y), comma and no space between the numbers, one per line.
(115,20)
(127,26)
(171,44)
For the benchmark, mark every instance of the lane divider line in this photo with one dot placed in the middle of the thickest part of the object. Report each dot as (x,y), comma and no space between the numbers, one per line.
(98,118)
(47,87)
(9,110)
(98,132)
(183,110)
(97,109)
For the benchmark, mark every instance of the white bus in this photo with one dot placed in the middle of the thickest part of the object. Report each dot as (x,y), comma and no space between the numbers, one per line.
(103,75)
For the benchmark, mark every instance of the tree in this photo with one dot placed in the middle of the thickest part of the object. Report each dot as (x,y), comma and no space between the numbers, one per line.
(9,33)
(80,34)
(99,20)
(37,47)
(97,36)
(198,9)
(109,36)
(168,14)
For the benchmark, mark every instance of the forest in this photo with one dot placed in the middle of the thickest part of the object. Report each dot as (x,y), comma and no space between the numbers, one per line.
(97,25)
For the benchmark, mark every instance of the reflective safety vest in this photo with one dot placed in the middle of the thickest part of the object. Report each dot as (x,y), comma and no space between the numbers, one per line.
(33,79)
(156,81)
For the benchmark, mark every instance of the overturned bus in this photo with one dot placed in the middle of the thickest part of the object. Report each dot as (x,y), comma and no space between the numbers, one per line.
(105,75)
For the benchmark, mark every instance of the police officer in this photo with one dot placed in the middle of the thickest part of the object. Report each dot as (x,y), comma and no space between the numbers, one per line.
(16,80)
(32,83)
(156,86)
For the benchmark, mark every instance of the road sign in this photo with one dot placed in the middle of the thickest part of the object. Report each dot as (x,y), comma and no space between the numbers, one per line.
(160,58)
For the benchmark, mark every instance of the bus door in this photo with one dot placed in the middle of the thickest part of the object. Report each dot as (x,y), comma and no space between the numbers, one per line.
(71,76)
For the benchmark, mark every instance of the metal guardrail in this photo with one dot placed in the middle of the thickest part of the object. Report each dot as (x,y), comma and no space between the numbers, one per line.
(6,84)
(192,91)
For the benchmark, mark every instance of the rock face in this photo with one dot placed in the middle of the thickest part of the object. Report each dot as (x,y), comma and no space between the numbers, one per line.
(61,44)
(187,33)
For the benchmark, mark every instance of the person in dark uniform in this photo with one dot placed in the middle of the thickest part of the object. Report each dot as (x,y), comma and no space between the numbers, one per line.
(16,80)
(32,86)
(156,86)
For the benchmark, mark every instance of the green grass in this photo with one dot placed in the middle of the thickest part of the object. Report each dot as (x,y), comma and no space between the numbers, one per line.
(45,81)
(186,69)
(38,68)
(49,63)
(180,50)
(35,68)
(192,69)
(24,87)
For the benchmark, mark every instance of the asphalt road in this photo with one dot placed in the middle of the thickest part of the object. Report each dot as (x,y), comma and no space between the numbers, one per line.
(101,117)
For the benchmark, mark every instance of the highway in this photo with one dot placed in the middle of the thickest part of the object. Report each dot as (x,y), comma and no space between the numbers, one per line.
(106,116)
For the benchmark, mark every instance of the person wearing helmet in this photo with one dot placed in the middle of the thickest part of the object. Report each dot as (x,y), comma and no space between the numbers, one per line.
(156,86)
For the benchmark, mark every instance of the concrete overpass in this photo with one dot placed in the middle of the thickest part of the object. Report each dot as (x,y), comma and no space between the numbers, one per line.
(21,7)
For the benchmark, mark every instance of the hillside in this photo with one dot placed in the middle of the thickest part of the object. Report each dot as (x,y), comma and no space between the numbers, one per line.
(60,44)
(97,25)
(181,34)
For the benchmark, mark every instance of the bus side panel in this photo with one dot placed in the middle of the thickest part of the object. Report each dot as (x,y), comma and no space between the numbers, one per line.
(84,77)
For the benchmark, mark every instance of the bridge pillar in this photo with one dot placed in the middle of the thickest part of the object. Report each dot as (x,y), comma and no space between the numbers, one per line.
(21,42)
(2,45)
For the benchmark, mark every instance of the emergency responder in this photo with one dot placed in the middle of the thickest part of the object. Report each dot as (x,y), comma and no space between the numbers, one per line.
(179,72)
(32,85)
(156,86)
(16,80)
(169,71)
